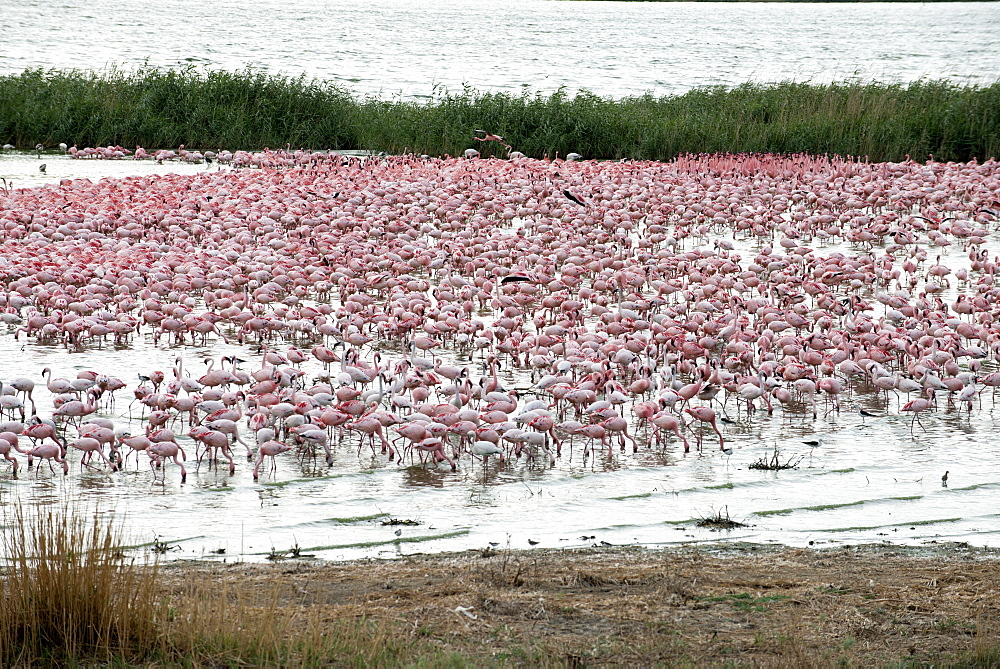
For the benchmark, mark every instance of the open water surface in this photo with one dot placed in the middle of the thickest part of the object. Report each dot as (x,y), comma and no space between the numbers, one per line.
(872,480)
(409,49)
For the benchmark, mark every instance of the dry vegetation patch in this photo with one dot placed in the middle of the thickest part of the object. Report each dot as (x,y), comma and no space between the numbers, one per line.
(865,606)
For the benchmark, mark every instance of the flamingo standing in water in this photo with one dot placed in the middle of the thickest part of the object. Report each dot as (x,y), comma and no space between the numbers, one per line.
(664,420)
(270,448)
(5,449)
(48,452)
(706,415)
(918,405)
(484,449)
(160,451)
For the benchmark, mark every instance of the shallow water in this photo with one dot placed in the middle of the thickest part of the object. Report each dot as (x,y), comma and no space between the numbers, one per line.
(392,47)
(872,480)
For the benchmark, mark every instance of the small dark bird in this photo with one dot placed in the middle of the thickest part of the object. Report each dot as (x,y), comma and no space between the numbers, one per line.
(514,278)
(533,542)
(574,198)
(41,168)
(944,479)
(398,532)
(866,414)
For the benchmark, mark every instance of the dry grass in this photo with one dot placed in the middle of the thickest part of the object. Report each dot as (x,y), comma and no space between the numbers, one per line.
(875,606)
(71,597)
(69,591)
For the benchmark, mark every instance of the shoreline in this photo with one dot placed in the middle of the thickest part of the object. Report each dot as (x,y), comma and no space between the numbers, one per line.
(864,605)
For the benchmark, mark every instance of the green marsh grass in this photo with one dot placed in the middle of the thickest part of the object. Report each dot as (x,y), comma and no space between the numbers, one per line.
(249,109)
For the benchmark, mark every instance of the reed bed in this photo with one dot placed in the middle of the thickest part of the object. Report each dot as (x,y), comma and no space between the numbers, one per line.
(250,110)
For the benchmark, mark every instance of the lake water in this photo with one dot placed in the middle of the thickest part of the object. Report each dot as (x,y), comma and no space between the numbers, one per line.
(394,48)
(871,481)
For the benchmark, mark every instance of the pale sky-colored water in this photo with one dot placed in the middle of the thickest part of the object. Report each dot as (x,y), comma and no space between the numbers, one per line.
(398,48)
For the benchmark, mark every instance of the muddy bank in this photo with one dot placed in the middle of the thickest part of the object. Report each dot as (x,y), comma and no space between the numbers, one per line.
(746,605)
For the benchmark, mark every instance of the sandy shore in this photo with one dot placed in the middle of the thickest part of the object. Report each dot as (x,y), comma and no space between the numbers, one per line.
(869,605)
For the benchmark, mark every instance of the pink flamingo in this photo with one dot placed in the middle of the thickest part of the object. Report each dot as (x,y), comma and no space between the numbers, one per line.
(48,452)
(161,451)
(371,426)
(664,420)
(918,405)
(136,443)
(269,449)
(5,451)
(89,446)
(706,415)
(490,137)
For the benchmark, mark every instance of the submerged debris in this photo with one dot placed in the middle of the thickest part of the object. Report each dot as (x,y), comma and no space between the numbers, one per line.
(718,521)
(774,463)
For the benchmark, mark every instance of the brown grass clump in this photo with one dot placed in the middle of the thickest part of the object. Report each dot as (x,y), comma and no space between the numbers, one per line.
(72,596)
(69,591)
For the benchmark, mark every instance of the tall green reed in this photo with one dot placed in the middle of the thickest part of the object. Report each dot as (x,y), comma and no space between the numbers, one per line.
(249,109)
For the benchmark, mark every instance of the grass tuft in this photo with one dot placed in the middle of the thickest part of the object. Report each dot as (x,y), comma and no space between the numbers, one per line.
(69,592)
(72,597)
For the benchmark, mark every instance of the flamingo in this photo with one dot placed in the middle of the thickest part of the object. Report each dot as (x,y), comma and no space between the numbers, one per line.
(271,449)
(490,137)
(48,452)
(917,405)
(483,450)
(5,451)
(664,420)
(706,415)
(161,451)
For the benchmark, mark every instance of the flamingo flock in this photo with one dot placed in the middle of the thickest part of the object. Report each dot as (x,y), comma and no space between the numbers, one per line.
(384,304)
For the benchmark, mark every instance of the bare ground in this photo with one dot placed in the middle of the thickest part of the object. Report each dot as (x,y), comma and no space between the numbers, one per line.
(875,605)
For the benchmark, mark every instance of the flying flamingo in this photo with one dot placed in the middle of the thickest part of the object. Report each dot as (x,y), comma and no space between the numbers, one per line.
(490,137)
